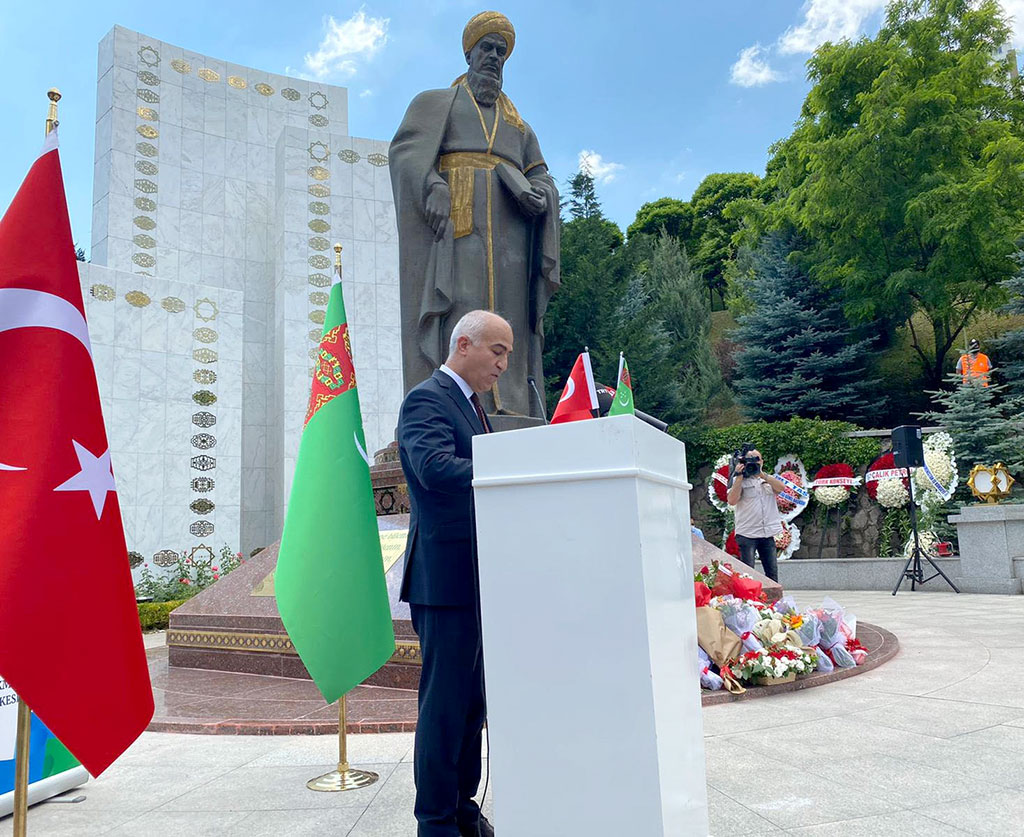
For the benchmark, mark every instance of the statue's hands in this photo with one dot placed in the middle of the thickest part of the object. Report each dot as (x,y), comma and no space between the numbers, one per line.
(439,209)
(534,202)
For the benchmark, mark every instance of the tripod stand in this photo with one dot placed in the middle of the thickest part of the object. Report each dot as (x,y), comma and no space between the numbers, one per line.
(912,569)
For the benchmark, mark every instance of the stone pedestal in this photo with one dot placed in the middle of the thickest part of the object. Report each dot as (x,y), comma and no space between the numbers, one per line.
(991,538)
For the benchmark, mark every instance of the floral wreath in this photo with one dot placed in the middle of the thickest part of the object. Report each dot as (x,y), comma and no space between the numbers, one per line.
(884,483)
(787,541)
(833,484)
(718,484)
(941,461)
(791,468)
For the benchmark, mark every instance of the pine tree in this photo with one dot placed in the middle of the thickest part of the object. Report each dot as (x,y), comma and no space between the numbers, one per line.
(986,428)
(796,354)
(1010,345)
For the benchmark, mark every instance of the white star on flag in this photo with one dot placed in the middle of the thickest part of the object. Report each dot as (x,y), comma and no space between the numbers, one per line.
(95,477)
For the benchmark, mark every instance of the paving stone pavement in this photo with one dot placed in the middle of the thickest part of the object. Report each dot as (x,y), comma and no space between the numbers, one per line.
(930,744)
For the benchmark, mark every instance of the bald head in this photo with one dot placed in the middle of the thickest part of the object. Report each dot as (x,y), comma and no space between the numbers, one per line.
(479,349)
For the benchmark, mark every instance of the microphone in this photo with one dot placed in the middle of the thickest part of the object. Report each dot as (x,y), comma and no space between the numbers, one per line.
(540,400)
(605,397)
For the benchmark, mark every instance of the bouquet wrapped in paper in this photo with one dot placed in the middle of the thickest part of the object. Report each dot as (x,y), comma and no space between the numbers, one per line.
(720,644)
(810,637)
(833,640)
(787,604)
(701,593)
(708,678)
(776,630)
(740,617)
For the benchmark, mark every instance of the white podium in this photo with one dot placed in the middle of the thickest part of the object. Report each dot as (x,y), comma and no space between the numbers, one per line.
(590,638)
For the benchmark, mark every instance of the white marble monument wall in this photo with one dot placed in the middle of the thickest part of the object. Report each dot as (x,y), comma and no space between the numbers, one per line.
(221,179)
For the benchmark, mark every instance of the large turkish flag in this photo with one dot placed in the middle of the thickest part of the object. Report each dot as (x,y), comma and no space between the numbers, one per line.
(70,643)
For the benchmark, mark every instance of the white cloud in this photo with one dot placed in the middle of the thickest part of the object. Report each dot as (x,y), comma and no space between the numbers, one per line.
(366,93)
(751,70)
(827,20)
(1014,10)
(601,170)
(346,43)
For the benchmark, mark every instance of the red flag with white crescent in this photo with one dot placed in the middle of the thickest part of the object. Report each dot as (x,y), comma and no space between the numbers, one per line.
(579,398)
(71,645)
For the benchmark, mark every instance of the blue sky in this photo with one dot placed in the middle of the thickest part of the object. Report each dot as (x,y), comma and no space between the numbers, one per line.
(663,93)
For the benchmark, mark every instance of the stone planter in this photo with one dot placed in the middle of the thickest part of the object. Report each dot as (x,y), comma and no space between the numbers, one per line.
(991,539)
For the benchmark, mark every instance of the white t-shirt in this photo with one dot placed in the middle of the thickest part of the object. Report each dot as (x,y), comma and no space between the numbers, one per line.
(757,512)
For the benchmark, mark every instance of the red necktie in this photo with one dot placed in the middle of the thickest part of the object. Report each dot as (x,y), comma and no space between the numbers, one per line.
(475,399)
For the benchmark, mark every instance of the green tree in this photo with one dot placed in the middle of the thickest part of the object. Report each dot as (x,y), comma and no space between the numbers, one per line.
(905,170)
(713,227)
(986,428)
(582,312)
(796,354)
(663,327)
(1010,345)
(670,214)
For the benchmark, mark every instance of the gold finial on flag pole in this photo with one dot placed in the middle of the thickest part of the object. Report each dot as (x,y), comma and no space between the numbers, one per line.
(21,753)
(337,258)
(53,94)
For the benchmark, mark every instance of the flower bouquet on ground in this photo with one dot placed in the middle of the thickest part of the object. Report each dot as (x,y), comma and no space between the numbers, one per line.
(740,617)
(809,632)
(775,665)
(833,640)
(708,678)
(833,484)
(720,644)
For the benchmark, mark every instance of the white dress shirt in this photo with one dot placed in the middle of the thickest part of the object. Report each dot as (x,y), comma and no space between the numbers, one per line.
(467,390)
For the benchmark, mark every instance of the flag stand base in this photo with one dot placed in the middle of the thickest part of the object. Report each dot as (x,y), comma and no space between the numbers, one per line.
(344,778)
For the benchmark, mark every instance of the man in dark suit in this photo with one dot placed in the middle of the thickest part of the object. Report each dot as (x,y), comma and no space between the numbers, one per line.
(436,425)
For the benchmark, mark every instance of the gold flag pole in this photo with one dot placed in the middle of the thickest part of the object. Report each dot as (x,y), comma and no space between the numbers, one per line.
(51,118)
(345,778)
(21,768)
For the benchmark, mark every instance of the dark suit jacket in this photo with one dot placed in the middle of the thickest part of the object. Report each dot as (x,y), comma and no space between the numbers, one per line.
(436,426)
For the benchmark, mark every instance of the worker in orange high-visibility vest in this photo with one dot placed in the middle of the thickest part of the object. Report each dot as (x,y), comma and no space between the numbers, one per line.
(974,365)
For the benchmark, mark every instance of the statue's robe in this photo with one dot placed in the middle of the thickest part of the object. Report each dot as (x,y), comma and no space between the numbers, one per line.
(493,256)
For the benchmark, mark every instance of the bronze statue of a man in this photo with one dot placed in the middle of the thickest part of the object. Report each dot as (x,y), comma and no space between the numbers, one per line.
(477,218)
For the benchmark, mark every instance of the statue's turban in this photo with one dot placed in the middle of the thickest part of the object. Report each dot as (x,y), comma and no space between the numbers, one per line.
(488,23)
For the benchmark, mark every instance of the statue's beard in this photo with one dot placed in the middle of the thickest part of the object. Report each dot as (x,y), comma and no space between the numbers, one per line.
(485,87)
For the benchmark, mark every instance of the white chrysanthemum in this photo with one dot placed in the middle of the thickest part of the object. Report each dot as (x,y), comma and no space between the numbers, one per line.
(927,541)
(892,494)
(938,455)
(831,495)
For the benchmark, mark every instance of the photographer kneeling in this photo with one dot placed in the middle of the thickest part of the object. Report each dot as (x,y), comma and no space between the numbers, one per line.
(752,493)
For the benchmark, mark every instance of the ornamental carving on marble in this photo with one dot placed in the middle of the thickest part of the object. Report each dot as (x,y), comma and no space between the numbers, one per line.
(347,155)
(319,208)
(172,305)
(145,204)
(144,260)
(202,506)
(201,528)
(165,558)
(291,94)
(149,96)
(204,419)
(318,120)
(206,74)
(149,56)
(204,397)
(203,484)
(148,131)
(137,299)
(318,100)
(146,149)
(205,335)
(146,242)
(203,441)
(201,553)
(203,463)
(180,66)
(378,160)
(206,309)
(319,298)
(319,280)
(319,151)
(264,89)
(104,293)
(148,114)
(204,355)
(237,82)
(319,190)
(318,172)
(318,242)
(147,186)
(204,377)
(319,225)
(317,317)
(144,222)
(319,262)
(146,77)
(146,167)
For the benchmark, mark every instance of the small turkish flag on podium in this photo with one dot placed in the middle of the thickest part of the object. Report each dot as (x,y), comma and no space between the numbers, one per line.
(579,398)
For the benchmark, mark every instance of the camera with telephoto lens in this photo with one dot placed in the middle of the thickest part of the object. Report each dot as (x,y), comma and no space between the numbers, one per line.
(751,464)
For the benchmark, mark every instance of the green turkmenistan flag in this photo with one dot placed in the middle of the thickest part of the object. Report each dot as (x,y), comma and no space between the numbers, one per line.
(623,403)
(329,582)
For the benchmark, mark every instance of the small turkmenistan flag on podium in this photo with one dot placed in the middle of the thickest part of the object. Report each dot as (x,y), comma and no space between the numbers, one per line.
(623,402)
(329,582)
